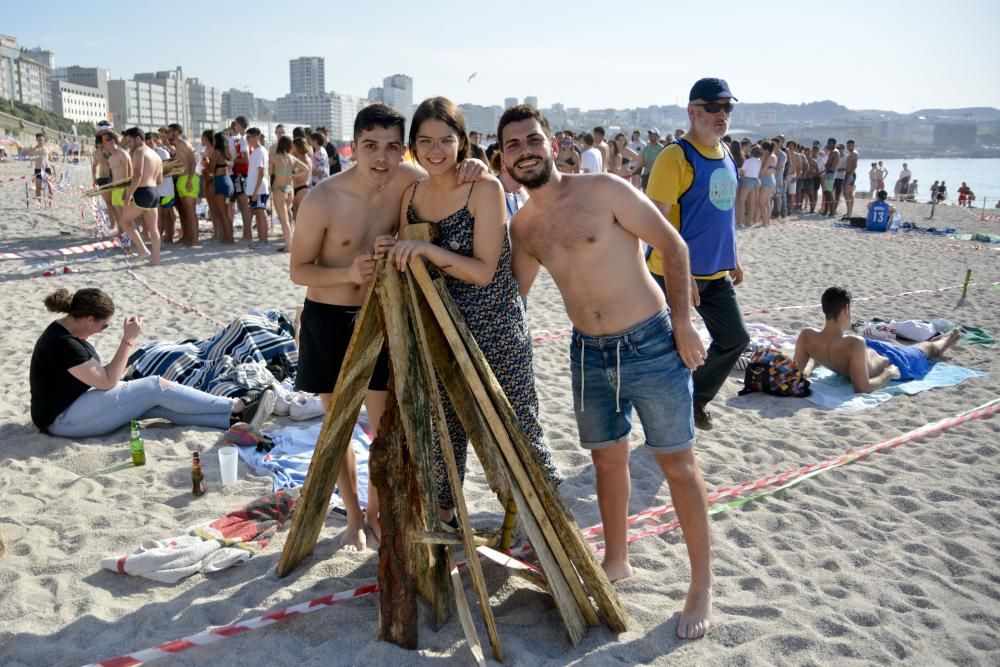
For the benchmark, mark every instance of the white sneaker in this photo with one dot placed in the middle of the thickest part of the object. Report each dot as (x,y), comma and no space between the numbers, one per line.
(306,406)
(258,411)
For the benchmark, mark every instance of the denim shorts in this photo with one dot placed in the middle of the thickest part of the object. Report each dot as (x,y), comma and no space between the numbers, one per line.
(750,182)
(639,368)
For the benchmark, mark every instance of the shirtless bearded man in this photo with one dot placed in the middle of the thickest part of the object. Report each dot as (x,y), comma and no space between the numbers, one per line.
(142,198)
(585,230)
(333,256)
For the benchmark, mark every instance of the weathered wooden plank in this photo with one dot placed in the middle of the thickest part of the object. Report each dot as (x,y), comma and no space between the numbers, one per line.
(389,465)
(451,466)
(447,358)
(435,537)
(335,436)
(411,386)
(533,575)
(562,520)
(465,614)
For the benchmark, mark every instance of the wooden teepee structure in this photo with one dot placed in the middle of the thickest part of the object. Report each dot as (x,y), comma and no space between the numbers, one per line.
(427,341)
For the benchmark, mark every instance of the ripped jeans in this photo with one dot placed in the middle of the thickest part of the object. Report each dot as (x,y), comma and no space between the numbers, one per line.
(97,412)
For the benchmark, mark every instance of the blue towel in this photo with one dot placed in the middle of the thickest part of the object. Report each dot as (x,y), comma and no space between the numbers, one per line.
(288,462)
(833,391)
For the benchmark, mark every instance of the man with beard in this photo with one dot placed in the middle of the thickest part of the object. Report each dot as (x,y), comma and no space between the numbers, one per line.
(629,350)
(693,183)
(333,256)
(142,198)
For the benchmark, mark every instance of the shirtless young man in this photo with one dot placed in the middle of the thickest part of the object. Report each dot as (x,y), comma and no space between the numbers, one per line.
(186,187)
(43,172)
(830,177)
(850,177)
(120,164)
(869,364)
(586,231)
(333,256)
(142,197)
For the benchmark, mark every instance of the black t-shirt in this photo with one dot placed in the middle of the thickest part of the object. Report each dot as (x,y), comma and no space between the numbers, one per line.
(53,388)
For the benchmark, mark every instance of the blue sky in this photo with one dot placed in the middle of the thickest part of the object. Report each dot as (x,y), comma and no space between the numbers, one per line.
(874,54)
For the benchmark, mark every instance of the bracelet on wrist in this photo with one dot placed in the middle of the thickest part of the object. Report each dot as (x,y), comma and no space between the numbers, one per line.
(128,343)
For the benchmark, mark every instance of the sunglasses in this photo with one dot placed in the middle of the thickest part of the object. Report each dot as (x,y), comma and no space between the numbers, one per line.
(716,107)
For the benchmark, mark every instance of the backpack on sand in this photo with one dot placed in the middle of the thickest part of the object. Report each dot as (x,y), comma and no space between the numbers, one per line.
(773,373)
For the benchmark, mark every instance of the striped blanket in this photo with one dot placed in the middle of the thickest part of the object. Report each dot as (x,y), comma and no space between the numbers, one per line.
(247,354)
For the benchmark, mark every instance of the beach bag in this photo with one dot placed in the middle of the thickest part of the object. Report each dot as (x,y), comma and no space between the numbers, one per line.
(771,372)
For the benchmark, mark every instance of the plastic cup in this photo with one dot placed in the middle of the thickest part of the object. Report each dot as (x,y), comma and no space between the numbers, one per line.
(227,464)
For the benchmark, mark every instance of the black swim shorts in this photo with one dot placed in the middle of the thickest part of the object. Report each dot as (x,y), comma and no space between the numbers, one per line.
(324,334)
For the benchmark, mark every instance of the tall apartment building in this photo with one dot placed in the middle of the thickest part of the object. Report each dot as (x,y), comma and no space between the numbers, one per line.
(509,102)
(531,101)
(481,119)
(205,107)
(80,104)
(92,77)
(314,110)
(174,94)
(137,103)
(397,92)
(307,76)
(25,74)
(238,103)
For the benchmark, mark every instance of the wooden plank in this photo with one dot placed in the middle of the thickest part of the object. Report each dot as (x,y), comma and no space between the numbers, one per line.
(389,463)
(411,385)
(569,534)
(451,466)
(458,386)
(335,436)
(434,537)
(465,614)
(515,567)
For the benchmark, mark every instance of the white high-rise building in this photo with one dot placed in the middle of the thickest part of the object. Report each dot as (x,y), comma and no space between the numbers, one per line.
(138,104)
(481,119)
(347,108)
(238,103)
(25,75)
(174,93)
(397,92)
(307,76)
(205,107)
(531,101)
(92,77)
(313,110)
(509,102)
(80,104)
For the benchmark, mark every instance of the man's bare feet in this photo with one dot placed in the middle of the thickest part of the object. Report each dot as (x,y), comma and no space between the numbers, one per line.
(617,571)
(354,538)
(695,621)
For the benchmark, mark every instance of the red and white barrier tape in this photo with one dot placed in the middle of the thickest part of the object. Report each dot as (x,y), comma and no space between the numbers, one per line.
(169,299)
(991,218)
(967,245)
(60,252)
(775,309)
(210,636)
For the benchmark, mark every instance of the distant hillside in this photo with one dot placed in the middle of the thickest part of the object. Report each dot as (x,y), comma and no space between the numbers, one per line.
(978,114)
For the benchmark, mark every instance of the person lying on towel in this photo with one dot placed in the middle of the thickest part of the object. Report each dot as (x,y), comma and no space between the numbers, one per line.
(869,364)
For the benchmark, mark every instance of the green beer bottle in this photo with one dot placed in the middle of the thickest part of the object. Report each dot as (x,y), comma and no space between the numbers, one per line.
(138,449)
(197,476)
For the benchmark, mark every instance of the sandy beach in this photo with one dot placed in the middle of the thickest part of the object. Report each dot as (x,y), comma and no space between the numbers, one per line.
(893,559)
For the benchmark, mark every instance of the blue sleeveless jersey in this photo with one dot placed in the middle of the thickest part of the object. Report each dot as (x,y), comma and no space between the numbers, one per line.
(878,216)
(708,213)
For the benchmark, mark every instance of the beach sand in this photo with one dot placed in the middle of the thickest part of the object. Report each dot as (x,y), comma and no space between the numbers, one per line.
(893,559)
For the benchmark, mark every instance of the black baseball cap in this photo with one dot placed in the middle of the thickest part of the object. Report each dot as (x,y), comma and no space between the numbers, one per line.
(710,89)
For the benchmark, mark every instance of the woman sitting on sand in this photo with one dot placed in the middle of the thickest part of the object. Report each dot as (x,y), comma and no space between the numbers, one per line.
(472,249)
(74,396)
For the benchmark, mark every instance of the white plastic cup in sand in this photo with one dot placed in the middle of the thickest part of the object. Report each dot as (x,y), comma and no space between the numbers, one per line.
(227,464)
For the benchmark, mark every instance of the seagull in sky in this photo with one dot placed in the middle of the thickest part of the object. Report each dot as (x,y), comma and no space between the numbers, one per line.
(471,77)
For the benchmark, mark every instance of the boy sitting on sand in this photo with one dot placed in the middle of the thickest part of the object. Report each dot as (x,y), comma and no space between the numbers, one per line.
(870,364)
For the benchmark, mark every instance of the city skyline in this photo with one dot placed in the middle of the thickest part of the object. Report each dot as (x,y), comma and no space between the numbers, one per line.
(868,65)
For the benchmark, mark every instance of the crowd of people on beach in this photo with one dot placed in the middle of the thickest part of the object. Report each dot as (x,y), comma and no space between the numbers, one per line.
(655,220)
